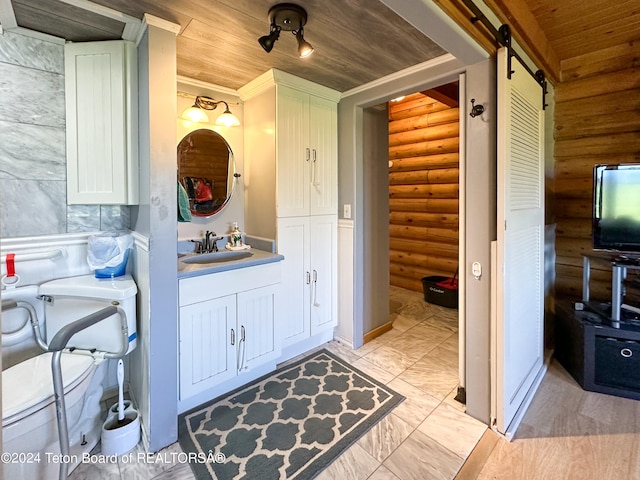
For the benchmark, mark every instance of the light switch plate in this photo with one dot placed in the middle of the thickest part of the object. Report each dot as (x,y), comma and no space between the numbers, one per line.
(347,210)
(476,270)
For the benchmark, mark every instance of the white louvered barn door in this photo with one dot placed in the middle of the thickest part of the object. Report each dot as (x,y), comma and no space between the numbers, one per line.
(519,293)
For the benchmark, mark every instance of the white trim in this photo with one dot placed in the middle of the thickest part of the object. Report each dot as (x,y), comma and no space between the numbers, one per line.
(100,10)
(517,419)
(7,15)
(161,23)
(152,20)
(278,77)
(141,241)
(345,223)
(428,18)
(434,62)
(462,233)
(206,85)
(256,86)
(38,35)
(130,31)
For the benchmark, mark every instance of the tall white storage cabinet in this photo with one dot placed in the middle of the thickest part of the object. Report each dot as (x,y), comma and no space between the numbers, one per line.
(101,122)
(291,194)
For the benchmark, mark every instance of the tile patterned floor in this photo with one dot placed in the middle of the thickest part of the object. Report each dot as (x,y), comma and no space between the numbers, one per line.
(426,437)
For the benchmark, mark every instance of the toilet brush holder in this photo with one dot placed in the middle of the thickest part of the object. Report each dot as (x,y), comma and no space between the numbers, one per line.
(120,436)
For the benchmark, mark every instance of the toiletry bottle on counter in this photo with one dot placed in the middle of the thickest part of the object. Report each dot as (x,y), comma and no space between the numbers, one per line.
(236,236)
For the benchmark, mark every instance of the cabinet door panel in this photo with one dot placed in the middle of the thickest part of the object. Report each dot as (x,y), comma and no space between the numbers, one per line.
(323,139)
(101,123)
(293,243)
(256,327)
(206,354)
(323,235)
(294,156)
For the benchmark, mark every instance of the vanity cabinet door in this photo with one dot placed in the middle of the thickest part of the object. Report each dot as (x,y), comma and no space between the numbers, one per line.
(294,309)
(293,153)
(101,123)
(256,327)
(207,347)
(323,261)
(323,141)
(309,270)
(307,152)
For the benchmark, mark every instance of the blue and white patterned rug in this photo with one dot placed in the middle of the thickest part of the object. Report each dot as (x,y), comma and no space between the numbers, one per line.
(289,424)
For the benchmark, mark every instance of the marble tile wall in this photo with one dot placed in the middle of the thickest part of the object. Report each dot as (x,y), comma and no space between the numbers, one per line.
(32,146)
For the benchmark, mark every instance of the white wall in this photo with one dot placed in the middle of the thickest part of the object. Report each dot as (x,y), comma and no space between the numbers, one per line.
(154,372)
(480,230)
(222,222)
(376,217)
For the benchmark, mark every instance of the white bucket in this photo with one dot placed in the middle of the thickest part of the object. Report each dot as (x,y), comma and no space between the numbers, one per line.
(118,440)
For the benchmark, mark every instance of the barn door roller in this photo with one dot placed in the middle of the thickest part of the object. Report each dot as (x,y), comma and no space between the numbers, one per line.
(503,37)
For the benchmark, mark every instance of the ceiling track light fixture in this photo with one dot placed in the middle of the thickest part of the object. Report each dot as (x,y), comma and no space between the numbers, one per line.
(290,18)
(196,113)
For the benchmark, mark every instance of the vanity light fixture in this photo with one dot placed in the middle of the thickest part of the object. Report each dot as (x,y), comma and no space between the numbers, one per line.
(290,18)
(196,113)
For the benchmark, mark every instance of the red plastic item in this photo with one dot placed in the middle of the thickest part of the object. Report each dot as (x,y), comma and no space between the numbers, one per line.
(11,266)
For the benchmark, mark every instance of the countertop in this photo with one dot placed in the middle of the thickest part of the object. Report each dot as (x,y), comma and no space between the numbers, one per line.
(258,257)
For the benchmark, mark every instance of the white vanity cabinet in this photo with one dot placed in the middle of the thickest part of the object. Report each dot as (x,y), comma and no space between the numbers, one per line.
(309,277)
(227,330)
(101,122)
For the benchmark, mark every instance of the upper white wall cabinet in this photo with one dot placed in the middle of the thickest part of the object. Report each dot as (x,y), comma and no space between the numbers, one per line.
(102,123)
(307,153)
(291,136)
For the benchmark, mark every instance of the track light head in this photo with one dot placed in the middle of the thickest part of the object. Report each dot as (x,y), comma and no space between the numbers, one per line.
(304,48)
(268,41)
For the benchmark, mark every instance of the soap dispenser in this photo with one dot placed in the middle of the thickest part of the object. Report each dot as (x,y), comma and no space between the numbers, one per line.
(236,236)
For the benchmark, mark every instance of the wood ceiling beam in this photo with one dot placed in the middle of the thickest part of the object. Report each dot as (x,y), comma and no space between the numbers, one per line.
(461,14)
(447,94)
(527,31)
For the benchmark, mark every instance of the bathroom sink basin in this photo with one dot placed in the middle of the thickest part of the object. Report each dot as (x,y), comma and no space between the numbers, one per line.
(216,257)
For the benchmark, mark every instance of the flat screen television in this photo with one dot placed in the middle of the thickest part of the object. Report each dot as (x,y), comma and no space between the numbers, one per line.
(616,207)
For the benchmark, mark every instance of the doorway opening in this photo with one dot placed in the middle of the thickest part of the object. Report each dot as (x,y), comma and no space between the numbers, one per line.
(411,218)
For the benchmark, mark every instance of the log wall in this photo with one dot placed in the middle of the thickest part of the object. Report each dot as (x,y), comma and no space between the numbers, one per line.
(423,190)
(597,120)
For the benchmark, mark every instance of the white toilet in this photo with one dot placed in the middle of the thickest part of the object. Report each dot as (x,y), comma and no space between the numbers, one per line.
(28,409)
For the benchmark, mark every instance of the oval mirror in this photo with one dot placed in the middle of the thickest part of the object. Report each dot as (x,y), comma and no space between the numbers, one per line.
(206,170)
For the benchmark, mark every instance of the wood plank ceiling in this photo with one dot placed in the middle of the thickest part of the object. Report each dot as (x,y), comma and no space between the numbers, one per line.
(356,41)
(560,32)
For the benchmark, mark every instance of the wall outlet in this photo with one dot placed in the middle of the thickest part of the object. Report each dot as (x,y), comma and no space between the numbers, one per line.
(347,210)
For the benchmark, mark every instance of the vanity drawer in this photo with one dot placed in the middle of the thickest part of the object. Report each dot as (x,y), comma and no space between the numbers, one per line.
(205,287)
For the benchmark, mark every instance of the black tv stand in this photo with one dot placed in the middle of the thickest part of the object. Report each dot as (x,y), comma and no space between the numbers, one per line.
(620,265)
(602,355)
